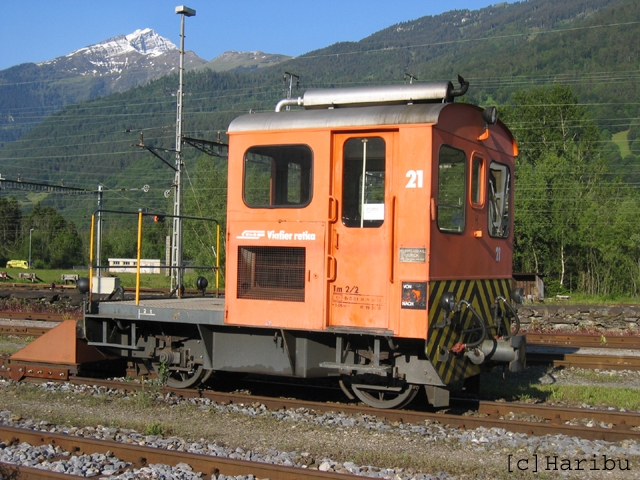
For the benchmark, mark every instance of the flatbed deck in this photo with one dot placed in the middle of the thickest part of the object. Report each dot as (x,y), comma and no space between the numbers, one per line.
(199,310)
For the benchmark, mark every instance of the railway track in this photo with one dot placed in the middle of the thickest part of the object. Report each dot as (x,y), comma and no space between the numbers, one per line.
(54,286)
(140,456)
(577,340)
(613,352)
(29,324)
(38,316)
(587,361)
(551,420)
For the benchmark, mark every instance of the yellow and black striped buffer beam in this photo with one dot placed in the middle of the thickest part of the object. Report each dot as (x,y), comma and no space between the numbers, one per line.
(481,294)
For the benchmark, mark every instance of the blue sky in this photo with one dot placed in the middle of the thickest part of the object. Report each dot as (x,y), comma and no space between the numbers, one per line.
(39,30)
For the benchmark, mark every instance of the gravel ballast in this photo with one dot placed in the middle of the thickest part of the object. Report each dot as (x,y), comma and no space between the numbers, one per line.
(356,444)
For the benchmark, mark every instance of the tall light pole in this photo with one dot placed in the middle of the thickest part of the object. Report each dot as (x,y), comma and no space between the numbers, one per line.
(176,239)
(30,230)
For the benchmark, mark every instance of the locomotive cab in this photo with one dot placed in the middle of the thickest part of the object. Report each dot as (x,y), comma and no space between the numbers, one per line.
(355,217)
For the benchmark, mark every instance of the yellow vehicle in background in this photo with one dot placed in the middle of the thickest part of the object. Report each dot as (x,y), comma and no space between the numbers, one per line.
(17,264)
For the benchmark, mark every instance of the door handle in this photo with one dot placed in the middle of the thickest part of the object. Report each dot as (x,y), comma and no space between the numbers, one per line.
(332,268)
(333,209)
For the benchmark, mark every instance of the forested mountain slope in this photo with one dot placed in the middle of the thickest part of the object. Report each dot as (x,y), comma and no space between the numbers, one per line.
(588,44)
(32,91)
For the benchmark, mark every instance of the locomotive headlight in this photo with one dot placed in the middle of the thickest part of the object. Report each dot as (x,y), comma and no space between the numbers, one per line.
(490,115)
(448,302)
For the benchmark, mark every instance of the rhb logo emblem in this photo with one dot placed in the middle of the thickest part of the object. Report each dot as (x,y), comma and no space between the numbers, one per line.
(251,235)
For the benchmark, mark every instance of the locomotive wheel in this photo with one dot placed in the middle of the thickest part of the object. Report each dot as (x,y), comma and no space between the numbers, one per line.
(207,374)
(382,396)
(181,379)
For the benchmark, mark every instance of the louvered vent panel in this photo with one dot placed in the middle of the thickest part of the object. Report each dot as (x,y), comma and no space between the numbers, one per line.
(271,273)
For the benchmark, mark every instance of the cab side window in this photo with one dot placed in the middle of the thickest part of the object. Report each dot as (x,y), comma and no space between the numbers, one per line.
(363,182)
(278,176)
(499,193)
(451,189)
(477,177)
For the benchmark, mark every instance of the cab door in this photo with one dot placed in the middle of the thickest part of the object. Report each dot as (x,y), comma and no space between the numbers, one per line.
(359,266)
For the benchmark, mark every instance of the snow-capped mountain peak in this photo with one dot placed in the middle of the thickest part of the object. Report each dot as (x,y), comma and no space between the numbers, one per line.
(124,61)
(145,42)
(148,42)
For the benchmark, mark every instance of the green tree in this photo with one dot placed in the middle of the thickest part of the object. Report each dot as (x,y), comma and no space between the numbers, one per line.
(120,238)
(66,248)
(557,170)
(55,243)
(206,197)
(550,120)
(10,219)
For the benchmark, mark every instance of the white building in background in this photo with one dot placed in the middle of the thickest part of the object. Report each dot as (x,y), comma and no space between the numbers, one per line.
(128,265)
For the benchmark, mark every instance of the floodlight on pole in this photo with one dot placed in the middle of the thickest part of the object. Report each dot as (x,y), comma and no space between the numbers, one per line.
(176,243)
(186,11)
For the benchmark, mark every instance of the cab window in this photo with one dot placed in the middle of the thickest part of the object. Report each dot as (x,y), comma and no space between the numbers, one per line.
(451,189)
(477,177)
(499,197)
(363,182)
(277,176)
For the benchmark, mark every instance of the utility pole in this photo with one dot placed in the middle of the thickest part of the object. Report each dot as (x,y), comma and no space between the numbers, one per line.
(177,272)
(289,89)
(411,78)
(99,231)
(30,232)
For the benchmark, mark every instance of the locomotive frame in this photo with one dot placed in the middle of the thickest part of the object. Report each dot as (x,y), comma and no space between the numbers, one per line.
(369,238)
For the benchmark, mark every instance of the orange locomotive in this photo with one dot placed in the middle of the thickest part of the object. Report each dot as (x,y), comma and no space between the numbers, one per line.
(380,216)
(369,237)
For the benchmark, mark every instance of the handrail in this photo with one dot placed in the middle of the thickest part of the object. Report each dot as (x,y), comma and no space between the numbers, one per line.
(140,215)
(139,254)
(393,239)
(93,223)
(157,214)
(217,258)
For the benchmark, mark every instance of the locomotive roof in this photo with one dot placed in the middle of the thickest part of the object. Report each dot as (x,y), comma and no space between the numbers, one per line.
(339,117)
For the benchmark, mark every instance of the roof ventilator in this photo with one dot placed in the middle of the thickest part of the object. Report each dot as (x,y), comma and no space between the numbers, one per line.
(328,98)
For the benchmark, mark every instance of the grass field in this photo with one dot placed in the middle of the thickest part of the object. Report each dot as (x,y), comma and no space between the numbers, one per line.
(47,277)
(620,139)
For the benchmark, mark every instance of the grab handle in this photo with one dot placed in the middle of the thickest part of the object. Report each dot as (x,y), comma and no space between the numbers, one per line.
(333,209)
(393,239)
(332,268)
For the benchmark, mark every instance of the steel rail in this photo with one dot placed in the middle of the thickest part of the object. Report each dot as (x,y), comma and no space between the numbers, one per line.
(556,416)
(47,287)
(23,331)
(35,286)
(40,316)
(624,419)
(620,420)
(10,471)
(583,340)
(602,362)
(140,456)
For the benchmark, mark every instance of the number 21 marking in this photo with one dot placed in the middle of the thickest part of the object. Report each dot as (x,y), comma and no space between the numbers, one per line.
(416,178)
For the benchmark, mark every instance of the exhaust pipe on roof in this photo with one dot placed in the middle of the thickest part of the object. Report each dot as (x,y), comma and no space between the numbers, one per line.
(464,86)
(289,102)
(406,94)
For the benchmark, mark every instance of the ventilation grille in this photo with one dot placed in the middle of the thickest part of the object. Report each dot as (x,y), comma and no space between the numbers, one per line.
(271,273)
